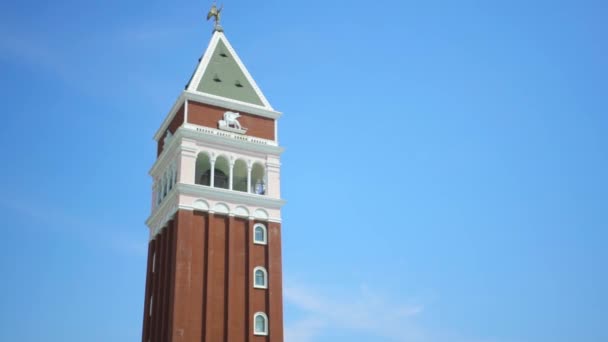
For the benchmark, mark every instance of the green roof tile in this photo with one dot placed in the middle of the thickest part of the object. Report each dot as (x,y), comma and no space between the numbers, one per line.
(223,77)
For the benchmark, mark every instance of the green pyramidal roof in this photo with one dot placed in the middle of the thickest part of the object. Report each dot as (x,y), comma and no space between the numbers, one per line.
(224,75)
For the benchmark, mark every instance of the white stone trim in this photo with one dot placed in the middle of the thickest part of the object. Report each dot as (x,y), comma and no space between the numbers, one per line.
(207,192)
(261,214)
(186,102)
(201,204)
(225,140)
(276,131)
(169,154)
(229,134)
(214,200)
(240,211)
(265,332)
(265,241)
(236,105)
(163,212)
(265,285)
(221,208)
(200,70)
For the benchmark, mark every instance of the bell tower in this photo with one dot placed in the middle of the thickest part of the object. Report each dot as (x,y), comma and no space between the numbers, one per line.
(214,254)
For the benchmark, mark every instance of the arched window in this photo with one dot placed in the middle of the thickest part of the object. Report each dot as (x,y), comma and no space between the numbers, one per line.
(203,169)
(239,176)
(259,234)
(260,324)
(260,278)
(258,179)
(221,173)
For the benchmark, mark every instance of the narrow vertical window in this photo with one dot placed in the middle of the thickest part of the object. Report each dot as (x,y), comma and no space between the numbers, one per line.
(260,278)
(259,234)
(260,324)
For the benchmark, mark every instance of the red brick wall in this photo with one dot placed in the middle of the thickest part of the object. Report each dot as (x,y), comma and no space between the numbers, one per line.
(206,281)
(160,285)
(207,115)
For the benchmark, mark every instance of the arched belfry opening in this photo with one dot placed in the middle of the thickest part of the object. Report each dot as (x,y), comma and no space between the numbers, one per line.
(239,176)
(221,173)
(202,173)
(258,179)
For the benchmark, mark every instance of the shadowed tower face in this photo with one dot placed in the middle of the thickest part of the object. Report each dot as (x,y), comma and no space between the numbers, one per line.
(214,256)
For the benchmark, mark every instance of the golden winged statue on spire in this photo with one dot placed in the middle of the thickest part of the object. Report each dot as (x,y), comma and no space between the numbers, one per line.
(215,12)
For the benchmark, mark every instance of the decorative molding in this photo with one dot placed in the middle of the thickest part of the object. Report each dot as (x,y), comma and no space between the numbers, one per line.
(261,214)
(221,208)
(163,213)
(240,142)
(201,204)
(245,205)
(241,211)
(219,194)
(232,213)
(186,112)
(167,139)
(168,155)
(231,123)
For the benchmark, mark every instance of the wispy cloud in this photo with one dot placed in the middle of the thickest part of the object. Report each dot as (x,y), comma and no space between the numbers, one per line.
(363,311)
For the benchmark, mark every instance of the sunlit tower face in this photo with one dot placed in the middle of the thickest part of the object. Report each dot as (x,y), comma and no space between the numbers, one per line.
(214,258)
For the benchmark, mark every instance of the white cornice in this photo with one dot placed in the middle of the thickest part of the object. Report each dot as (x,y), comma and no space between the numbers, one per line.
(164,212)
(232,104)
(227,141)
(173,202)
(230,195)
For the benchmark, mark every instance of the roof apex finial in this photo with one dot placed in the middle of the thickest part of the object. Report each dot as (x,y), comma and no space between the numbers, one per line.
(215,13)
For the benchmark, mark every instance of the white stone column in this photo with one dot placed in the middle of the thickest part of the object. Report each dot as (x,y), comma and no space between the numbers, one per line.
(187,166)
(212,181)
(273,176)
(154,195)
(249,168)
(232,161)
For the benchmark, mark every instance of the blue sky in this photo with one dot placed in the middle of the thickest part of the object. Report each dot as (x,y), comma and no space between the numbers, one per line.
(445,168)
